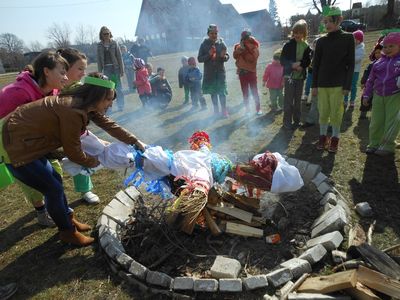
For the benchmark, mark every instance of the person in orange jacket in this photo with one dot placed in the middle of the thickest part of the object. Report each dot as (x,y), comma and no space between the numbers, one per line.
(246,54)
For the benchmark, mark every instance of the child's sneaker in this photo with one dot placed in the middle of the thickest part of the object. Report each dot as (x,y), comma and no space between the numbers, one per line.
(44,219)
(351,105)
(259,113)
(333,145)
(370,150)
(90,198)
(322,142)
(304,98)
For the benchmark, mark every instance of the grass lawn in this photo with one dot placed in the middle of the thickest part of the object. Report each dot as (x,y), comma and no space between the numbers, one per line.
(45,269)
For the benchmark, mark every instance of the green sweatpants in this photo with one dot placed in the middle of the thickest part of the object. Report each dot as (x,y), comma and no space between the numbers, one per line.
(82,183)
(276,98)
(330,106)
(385,122)
(187,91)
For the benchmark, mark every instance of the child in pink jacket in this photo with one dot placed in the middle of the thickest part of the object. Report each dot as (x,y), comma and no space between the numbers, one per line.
(273,80)
(142,81)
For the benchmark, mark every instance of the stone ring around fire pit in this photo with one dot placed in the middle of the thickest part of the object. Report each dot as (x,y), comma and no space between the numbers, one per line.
(325,236)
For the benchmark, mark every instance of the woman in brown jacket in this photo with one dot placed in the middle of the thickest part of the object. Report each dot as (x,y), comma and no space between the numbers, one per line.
(40,127)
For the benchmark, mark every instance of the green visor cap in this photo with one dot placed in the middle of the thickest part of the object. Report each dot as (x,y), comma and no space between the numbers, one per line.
(99,82)
(328,11)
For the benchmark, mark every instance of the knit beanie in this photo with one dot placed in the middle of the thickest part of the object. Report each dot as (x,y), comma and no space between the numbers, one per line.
(212,27)
(245,34)
(138,63)
(392,38)
(359,35)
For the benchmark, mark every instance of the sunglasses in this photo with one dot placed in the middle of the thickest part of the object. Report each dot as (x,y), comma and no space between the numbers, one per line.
(106,33)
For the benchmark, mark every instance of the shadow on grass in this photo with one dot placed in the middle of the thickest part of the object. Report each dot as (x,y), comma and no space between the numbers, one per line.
(17,231)
(53,264)
(361,130)
(380,187)
(308,151)
(279,142)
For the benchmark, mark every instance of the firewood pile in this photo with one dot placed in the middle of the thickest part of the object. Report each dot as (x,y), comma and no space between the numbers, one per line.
(221,211)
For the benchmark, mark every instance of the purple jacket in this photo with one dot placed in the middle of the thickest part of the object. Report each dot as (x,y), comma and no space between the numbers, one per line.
(383,77)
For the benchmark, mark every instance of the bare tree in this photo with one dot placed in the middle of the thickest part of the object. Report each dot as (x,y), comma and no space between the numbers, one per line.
(93,34)
(81,35)
(59,35)
(11,43)
(35,46)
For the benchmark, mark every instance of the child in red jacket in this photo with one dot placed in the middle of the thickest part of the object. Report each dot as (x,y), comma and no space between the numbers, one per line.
(273,80)
(142,82)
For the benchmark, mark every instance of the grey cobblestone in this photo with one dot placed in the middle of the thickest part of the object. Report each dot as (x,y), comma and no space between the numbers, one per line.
(205,285)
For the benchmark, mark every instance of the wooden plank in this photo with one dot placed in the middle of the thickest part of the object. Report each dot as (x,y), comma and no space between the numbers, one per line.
(329,283)
(361,292)
(239,203)
(377,258)
(378,281)
(234,212)
(215,230)
(243,230)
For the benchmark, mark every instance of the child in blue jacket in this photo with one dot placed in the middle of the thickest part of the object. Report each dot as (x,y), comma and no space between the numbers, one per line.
(193,80)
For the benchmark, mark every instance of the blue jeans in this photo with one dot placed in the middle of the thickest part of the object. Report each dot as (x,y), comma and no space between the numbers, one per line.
(41,176)
(353,92)
(308,84)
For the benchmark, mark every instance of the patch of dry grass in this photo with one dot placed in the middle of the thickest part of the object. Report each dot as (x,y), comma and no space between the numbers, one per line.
(46,269)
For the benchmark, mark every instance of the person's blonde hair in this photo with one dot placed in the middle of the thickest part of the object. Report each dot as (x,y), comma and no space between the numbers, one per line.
(300,27)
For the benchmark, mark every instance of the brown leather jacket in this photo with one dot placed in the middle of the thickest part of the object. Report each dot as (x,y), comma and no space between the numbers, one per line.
(40,127)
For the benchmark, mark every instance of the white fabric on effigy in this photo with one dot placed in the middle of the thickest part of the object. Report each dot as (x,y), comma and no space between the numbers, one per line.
(286,178)
(194,165)
(112,156)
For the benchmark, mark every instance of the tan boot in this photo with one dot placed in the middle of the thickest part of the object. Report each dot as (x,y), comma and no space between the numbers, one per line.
(74,237)
(81,227)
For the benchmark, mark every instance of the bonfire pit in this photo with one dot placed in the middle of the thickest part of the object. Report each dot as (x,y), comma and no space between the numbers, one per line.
(152,248)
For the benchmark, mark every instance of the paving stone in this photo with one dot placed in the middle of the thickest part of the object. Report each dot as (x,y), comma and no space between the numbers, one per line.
(324,187)
(131,280)
(205,285)
(311,171)
(117,211)
(324,216)
(224,267)
(330,241)
(302,166)
(112,251)
(297,266)
(133,192)
(230,285)
(314,254)
(327,207)
(123,197)
(107,221)
(343,203)
(333,220)
(183,283)
(158,278)
(255,282)
(103,229)
(138,270)
(107,239)
(329,198)
(279,277)
(319,179)
(292,161)
(124,260)
(364,209)
(309,296)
